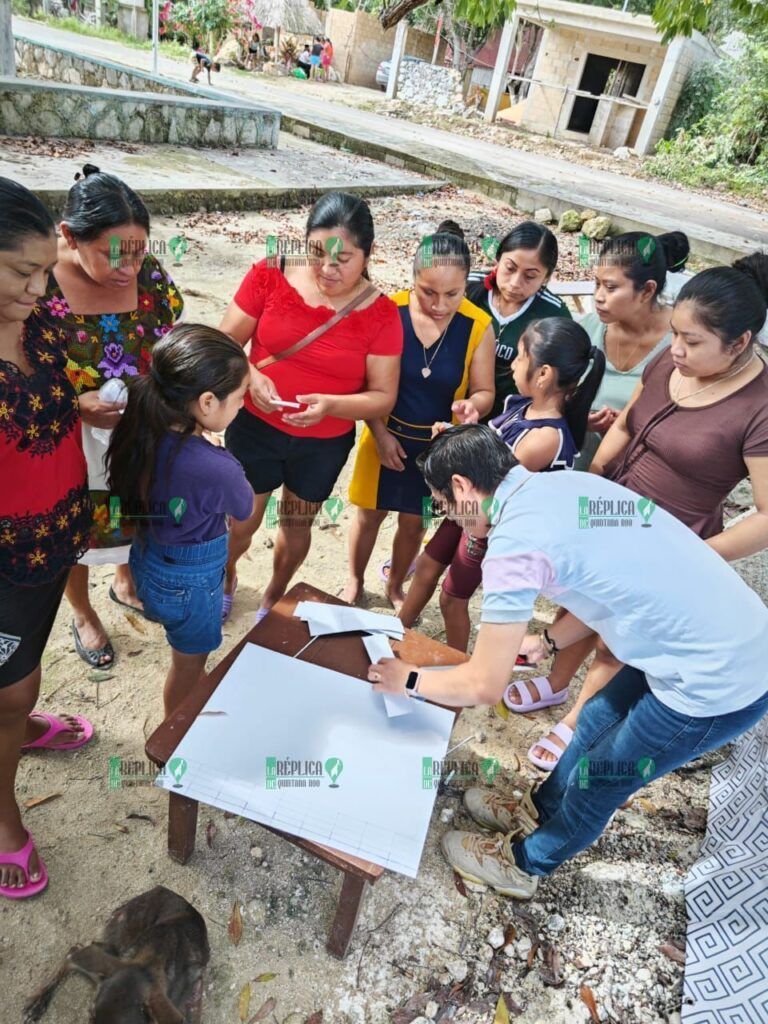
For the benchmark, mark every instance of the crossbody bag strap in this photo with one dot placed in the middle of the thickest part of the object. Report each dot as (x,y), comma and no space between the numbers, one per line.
(314,335)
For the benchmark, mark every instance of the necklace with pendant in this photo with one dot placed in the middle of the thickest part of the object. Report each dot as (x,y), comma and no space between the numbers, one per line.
(676,397)
(427,368)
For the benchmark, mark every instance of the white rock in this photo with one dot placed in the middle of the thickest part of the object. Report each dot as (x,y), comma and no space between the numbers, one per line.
(446,815)
(674,1018)
(544,215)
(623,153)
(431,1009)
(257,854)
(457,969)
(523,947)
(556,923)
(509,949)
(495,937)
(643,975)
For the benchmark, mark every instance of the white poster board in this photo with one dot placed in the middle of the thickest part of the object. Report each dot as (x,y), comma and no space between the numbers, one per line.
(268,744)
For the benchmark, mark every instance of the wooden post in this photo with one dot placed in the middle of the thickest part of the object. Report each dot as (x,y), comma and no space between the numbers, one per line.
(500,70)
(438,30)
(397,55)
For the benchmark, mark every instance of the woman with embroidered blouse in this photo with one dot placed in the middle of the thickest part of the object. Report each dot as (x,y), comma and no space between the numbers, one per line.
(108,301)
(325,352)
(45,514)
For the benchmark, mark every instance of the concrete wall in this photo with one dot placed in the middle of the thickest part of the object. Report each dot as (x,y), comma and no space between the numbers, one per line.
(360,44)
(561,58)
(692,52)
(48,109)
(201,120)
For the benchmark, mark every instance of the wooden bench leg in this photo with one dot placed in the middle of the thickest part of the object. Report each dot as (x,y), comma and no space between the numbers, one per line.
(350,901)
(182,825)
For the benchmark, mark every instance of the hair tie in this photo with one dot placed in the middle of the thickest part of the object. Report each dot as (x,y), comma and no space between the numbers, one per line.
(593,351)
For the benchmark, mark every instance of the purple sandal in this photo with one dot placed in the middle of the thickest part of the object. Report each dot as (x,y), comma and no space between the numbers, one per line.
(547,699)
(226,607)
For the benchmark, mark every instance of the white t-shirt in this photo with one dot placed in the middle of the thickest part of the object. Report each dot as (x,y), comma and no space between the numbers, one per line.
(662,600)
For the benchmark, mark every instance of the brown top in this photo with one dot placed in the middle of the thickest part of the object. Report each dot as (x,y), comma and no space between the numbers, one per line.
(689,459)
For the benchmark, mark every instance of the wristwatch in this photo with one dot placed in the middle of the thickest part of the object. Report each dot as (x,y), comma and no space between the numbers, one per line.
(412,685)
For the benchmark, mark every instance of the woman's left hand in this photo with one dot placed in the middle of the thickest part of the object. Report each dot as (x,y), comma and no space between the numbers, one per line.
(465,411)
(318,407)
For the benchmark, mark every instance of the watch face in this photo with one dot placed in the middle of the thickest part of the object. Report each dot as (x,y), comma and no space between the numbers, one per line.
(410,683)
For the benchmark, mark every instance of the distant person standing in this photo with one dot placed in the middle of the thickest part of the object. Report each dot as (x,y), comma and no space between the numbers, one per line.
(202,60)
(254,50)
(315,56)
(326,59)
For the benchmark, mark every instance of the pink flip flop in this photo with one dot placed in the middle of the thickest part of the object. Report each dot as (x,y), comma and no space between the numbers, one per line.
(527,703)
(563,732)
(56,726)
(226,608)
(20,859)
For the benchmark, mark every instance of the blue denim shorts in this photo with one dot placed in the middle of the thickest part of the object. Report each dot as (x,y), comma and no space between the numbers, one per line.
(182,587)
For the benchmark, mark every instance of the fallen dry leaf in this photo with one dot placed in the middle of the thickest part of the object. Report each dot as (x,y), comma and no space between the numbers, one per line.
(648,805)
(135,622)
(263,1011)
(141,817)
(502,1013)
(315,1018)
(235,927)
(244,1003)
(532,955)
(510,934)
(458,881)
(587,997)
(121,828)
(35,801)
(264,977)
(210,833)
(673,951)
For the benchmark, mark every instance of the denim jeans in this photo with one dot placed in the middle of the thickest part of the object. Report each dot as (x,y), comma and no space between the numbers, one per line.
(182,587)
(625,738)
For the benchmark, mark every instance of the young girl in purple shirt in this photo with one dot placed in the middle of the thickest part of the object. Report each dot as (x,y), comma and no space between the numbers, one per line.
(180,489)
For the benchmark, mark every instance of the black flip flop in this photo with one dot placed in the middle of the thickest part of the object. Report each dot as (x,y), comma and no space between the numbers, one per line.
(93,658)
(128,607)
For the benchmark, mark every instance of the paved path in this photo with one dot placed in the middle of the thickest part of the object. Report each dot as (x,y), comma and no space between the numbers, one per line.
(714,225)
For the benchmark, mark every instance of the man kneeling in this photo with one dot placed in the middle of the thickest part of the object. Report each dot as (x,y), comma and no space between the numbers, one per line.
(692,635)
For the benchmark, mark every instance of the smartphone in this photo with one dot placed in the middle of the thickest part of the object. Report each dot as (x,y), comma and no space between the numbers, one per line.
(285,405)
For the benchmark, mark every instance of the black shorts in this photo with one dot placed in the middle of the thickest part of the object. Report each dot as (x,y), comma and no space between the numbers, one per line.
(308,466)
(26,621)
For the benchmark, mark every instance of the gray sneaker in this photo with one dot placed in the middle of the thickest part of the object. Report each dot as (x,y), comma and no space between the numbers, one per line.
(502,813)
(488,861)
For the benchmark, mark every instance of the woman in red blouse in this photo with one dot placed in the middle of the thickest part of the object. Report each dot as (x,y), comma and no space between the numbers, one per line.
(45,514)
(348,373)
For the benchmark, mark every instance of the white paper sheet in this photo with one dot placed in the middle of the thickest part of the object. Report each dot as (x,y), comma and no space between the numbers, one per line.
(330,618)
(276,707)
(377,647)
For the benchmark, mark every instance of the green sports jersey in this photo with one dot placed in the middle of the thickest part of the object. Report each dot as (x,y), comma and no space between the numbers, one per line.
(509,328)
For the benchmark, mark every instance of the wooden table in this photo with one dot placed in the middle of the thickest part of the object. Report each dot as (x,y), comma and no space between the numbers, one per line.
(281,631)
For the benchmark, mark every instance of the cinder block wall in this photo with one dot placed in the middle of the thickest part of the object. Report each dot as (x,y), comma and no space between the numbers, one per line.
(561,59)
(360,44)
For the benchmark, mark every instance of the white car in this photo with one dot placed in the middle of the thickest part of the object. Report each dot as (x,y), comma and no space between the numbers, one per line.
(382,71)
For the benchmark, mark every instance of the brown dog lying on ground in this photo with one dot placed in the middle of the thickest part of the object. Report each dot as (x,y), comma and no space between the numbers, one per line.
(148,965)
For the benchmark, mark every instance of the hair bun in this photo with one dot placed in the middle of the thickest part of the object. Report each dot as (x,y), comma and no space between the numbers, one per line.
(450,227)
(755,267)
(88,170)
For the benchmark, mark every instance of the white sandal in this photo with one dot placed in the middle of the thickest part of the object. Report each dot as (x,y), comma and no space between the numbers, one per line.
(547,699)
(563,732)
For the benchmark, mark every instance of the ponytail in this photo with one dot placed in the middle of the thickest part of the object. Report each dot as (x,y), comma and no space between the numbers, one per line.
(566,347)
(189,361)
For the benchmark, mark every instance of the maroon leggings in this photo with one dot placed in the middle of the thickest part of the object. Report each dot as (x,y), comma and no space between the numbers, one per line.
(452,546)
